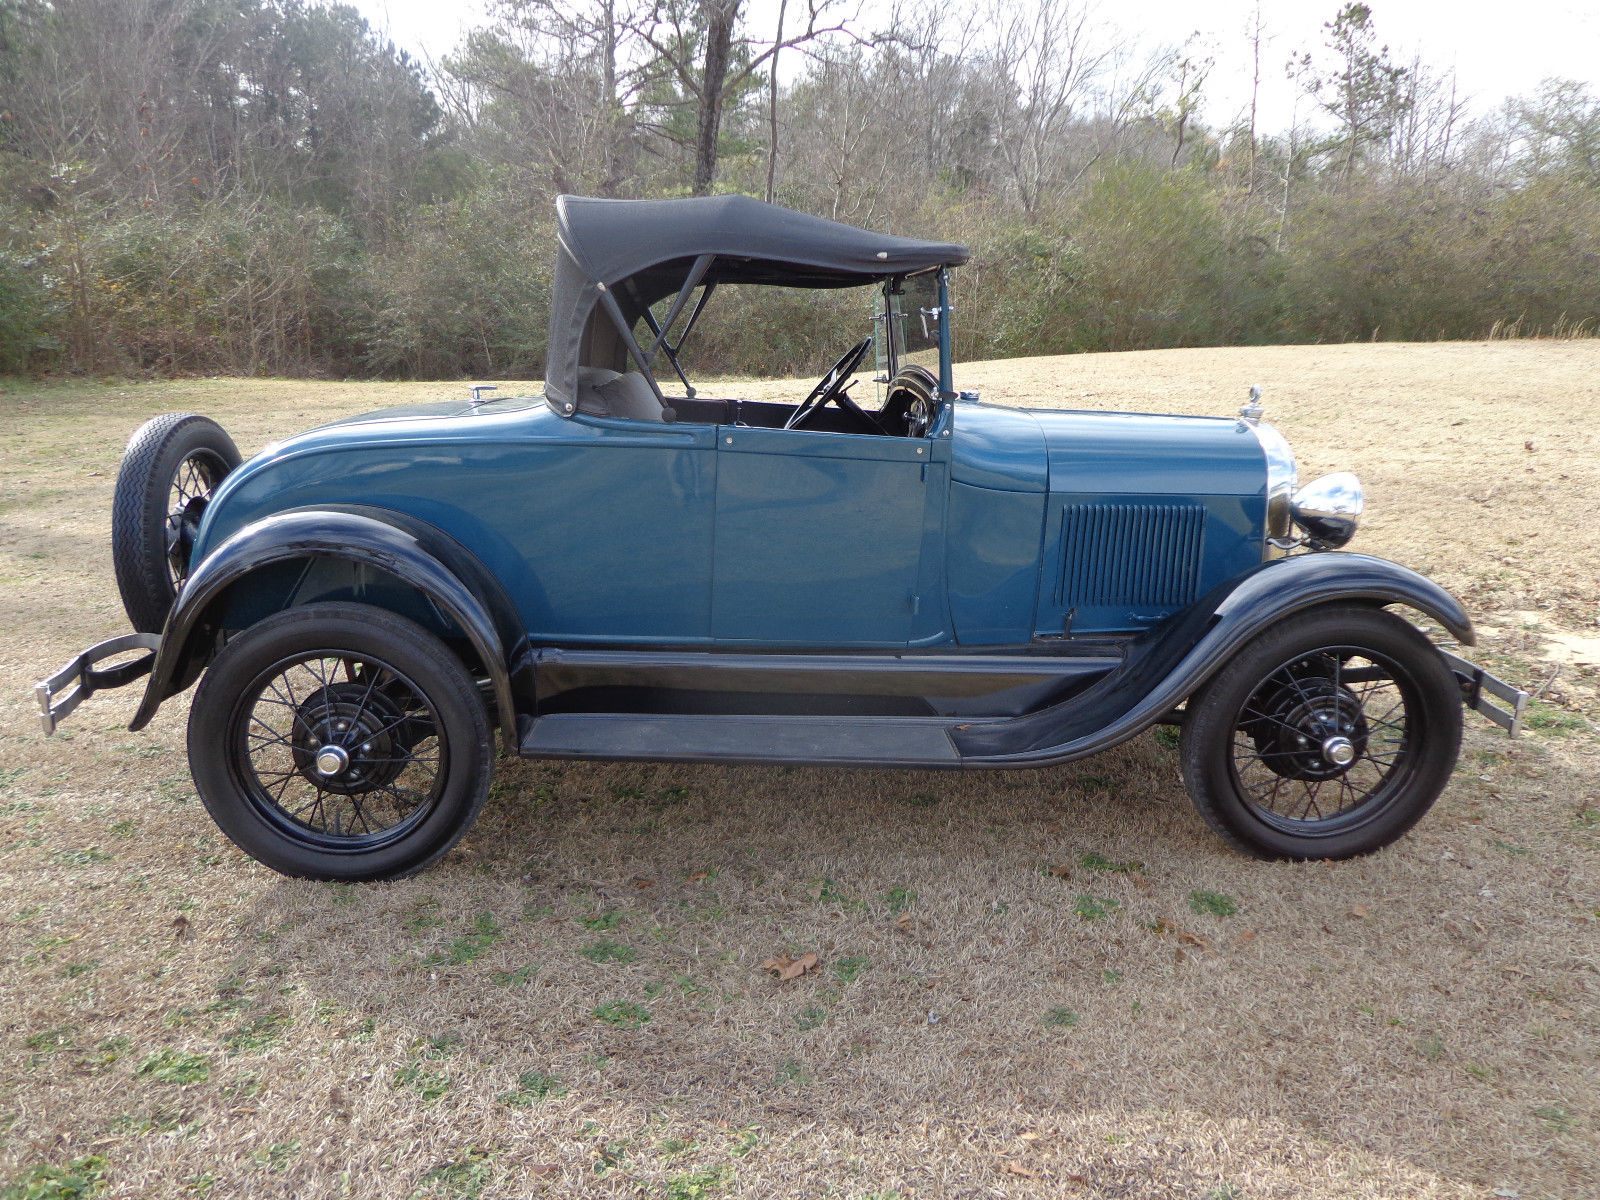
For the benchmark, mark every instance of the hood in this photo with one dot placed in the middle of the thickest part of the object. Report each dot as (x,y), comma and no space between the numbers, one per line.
(1040,449)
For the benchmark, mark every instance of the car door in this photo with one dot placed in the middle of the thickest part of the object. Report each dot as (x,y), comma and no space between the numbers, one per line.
(818,537)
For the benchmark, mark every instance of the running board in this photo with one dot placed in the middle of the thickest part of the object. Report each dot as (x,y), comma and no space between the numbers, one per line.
(854,741)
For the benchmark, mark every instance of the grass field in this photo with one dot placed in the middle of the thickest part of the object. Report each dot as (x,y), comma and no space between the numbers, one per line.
(1051,984)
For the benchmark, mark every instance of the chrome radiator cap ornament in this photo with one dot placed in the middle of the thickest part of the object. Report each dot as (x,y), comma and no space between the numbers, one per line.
(1329,509)
(1252,410)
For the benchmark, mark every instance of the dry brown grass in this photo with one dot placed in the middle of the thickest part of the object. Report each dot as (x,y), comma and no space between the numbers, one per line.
(1419,1024)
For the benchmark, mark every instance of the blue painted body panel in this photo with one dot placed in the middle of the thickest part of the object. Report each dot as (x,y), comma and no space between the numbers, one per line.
(598,529)
(606,531)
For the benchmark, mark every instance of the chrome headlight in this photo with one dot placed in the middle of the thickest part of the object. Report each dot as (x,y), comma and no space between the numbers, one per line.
(1282,475)
(1329,510)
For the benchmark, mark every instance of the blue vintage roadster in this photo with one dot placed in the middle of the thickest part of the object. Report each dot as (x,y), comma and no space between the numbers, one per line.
(621,570)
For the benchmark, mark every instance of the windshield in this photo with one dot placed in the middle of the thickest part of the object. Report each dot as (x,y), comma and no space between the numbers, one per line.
(907,313)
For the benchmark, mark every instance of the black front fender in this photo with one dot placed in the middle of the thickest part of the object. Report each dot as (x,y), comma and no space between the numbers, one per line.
(411,551)
(1167,665)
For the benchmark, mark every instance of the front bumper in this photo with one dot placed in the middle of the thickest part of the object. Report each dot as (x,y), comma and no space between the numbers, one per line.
(1480,690)
(83,676)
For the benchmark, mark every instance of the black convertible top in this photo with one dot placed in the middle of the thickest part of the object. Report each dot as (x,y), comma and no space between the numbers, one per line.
(632,253)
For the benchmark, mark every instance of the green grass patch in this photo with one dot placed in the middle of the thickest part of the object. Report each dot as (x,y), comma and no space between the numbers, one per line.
(470,947)
(261,1034)
(812,1016)
(463,1179)
(699,1183)
(513,979)
(1099,862)
(1547,718)
(1212,903)
(603,922)
(898,899)
(424,915)
(429,1085)
(170,1066)
(532,1087)
(82,858)
(1061,1018)
(48,1041)
(1555,1116)
(847,970)
(77,1180)
(622,1014)
(607,951)
(1093,908)
(826,891)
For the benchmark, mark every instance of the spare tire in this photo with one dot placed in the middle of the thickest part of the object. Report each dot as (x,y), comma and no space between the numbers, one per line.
(169,471)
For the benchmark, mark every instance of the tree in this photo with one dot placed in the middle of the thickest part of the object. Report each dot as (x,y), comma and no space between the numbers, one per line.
(710,59)
(1362,90)
(1560,130)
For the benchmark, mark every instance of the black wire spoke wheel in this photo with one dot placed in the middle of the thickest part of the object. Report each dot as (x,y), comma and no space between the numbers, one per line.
(1327,736)
(342,751)
(340,741)
(1321,741)
(193,483)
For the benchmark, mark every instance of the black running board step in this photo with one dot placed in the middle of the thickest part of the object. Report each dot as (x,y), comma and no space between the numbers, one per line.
(835,741)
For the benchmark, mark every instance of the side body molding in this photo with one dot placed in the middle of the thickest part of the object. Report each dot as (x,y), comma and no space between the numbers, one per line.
(1185,651)
(410,550)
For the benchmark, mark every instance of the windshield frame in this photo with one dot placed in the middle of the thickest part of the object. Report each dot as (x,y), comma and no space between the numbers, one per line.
(890,313)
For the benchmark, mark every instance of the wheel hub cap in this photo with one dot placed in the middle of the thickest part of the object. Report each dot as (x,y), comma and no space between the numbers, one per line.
(1340,751)
(1311,728)
(350,738)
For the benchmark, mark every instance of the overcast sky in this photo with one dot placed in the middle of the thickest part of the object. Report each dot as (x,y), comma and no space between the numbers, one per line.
(1497,49)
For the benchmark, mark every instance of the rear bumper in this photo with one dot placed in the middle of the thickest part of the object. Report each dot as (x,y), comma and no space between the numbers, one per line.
(1494,698)
(83,676)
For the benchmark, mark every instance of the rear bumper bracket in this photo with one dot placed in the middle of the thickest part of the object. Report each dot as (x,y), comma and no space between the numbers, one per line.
(81,678)
(1480,690)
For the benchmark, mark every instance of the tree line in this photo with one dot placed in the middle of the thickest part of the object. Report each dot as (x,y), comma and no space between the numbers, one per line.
(270,186)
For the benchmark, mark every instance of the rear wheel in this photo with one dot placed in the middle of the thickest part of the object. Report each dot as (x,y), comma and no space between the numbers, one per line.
(1327,737)
(169,471)
(340,741)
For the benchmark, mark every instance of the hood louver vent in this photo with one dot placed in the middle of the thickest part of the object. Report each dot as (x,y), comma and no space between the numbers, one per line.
(1138,555)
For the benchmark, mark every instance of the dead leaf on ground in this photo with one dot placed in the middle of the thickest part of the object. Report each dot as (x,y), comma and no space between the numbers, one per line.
(544,1169)
(787,968)
(1061,872)
(640,882)
(1193,939)
(1249,935)
(699,875)
(903,922)
(1016,1168)
(180,924)
(1358,910)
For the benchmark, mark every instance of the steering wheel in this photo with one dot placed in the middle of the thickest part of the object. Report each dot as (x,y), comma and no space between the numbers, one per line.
(911,402)
(832,387)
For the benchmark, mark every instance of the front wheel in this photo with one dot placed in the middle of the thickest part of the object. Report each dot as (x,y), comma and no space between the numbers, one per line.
(340,741)
(1328,736)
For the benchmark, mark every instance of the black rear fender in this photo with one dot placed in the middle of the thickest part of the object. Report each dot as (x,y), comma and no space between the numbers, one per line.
(350,552)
